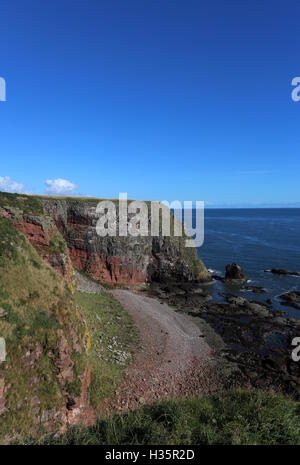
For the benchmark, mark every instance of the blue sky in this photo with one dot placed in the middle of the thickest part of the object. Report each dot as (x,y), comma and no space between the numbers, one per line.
(162,99)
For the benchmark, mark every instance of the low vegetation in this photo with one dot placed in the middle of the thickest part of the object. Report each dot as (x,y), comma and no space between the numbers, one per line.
(111,340)
(43,324)
(28,204)
(234,417)
(57,245)
(38,310)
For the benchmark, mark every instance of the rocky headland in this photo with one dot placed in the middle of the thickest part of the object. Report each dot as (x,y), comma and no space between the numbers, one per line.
(44,243)
(51,341)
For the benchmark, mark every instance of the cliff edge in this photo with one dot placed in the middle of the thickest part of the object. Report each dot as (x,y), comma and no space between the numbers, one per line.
(121,260)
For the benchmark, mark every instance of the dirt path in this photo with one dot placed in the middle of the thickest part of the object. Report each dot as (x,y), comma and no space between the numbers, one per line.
(174,360)
(85,284)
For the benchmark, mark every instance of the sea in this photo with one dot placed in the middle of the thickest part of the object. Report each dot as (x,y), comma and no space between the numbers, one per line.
(258,240)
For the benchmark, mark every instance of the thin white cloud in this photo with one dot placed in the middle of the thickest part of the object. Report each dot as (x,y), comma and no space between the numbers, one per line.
(8,185)
(59,186)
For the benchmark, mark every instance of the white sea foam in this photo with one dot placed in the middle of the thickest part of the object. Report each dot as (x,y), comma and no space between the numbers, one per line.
(212,271)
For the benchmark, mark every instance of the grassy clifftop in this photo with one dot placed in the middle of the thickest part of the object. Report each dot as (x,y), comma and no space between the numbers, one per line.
(28,204)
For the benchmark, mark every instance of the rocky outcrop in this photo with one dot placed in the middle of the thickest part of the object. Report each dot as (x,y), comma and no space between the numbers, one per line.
(42,233)
(234,274)
(291,299)
(50,224)
(283,272)
(121,260)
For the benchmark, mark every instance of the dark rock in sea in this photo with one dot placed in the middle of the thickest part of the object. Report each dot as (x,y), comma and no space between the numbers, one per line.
(257,344)
(282,272)
(234,274)
(256,289)
(249,307)
(291,299)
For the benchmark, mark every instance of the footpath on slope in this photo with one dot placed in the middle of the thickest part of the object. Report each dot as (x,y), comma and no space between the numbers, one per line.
(173,360)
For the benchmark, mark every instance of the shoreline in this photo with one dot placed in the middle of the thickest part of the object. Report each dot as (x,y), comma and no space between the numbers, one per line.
(252,346)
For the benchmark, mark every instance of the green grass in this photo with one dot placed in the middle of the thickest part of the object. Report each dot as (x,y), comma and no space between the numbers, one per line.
(234,417)
(39,308)
(9,241)
(111,334)
(40,312)
(28,204)
(57,245)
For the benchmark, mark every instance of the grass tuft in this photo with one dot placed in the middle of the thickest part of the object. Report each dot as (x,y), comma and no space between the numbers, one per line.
(233,417)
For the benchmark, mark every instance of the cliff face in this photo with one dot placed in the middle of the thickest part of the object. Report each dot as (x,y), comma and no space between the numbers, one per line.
(51,224)
(121,260)
(28,216)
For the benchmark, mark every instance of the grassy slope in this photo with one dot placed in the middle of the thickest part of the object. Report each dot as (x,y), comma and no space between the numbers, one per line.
(37,303)
(112,339)
(234,417)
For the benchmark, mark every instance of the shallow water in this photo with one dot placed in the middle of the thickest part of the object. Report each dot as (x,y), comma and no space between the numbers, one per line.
(256,239)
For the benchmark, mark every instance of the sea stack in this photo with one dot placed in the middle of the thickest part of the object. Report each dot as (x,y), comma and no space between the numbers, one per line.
(235,274)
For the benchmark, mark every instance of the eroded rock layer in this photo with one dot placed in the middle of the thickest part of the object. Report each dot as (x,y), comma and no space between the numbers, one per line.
(121,260)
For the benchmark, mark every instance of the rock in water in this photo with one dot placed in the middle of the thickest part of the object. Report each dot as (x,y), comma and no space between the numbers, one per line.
(235,274)
(285,272)
(292,299)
